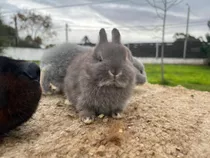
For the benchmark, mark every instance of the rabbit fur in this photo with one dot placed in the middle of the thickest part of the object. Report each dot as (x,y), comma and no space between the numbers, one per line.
(141,76)
(101,81)
(55,61)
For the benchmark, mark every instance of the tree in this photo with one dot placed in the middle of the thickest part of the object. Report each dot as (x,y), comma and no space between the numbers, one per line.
(49,46)
(7,34)
(206,47)
(208,37)
(161,9)
(35,25)
(207,44)
(180,37)
(1,42)
(86,41)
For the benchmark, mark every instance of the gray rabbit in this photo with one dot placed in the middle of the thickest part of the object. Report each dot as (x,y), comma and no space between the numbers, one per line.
(55,61)
(141,76)
(101,81)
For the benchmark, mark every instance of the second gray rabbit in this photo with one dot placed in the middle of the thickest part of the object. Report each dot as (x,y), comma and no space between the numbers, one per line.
(54,63)
(141,76)
(101,81)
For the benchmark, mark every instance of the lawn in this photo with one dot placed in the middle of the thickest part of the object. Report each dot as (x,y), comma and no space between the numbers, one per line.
(189,76)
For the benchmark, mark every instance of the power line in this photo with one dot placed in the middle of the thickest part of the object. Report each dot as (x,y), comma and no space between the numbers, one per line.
(68,5)
(138,26)
(142,27)
(79,27)
(95,3)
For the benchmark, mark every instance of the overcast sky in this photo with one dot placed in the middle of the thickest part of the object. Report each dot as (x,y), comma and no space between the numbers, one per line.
(136,20)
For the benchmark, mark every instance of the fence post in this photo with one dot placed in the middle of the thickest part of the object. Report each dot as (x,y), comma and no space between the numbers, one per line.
(157,50)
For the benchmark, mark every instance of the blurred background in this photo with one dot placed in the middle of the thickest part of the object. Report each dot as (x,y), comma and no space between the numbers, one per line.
(171,37)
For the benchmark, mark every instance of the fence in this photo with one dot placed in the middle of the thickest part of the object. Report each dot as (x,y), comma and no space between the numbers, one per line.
(147,52)
(172,50)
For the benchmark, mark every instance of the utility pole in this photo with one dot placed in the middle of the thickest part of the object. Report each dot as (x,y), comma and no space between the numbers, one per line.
(16,32)
(67,28)
(187,27)
(163,42)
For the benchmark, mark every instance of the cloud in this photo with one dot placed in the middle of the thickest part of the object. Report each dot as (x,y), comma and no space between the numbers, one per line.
(136,20)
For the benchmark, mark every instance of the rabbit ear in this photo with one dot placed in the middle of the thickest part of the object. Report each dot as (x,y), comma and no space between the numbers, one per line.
(116,36)
(102,36)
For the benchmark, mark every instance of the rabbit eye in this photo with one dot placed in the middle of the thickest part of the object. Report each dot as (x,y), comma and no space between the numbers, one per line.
(100,60)
(98,56)
(141,71)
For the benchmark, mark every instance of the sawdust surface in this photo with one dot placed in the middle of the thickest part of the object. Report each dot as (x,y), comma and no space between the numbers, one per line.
(162,122)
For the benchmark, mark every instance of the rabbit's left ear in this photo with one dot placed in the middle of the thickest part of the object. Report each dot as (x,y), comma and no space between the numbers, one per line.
(116,36)
(102,36)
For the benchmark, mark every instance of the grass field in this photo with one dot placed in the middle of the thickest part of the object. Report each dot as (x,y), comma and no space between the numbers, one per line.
(189,76)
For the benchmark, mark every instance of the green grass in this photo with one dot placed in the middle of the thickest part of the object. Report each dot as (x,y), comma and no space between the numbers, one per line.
(190,76)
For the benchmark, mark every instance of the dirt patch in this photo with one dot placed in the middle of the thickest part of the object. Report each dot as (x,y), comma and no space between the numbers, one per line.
(159,122)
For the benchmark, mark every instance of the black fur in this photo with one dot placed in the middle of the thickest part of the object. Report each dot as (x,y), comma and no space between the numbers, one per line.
(20,92)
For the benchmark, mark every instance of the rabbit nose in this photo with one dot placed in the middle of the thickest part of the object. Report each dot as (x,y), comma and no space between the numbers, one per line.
(115,73)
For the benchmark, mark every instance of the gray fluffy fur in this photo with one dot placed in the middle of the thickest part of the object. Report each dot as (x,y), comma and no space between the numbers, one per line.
(90,83)
(55,61)
(141,76)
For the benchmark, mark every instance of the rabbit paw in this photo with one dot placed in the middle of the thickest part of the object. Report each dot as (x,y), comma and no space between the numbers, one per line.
(87,116)
(87,120)
(47,93)
(117,115)
(101,116)
(66,102)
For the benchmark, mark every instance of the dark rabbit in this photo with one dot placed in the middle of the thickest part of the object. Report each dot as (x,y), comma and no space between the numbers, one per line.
(20,92)
(101,81)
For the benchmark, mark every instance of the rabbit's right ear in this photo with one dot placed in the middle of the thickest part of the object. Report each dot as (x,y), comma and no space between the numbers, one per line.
(116,36)
(102,36)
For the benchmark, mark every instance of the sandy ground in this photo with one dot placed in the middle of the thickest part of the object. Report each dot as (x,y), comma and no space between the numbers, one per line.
(159,122)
